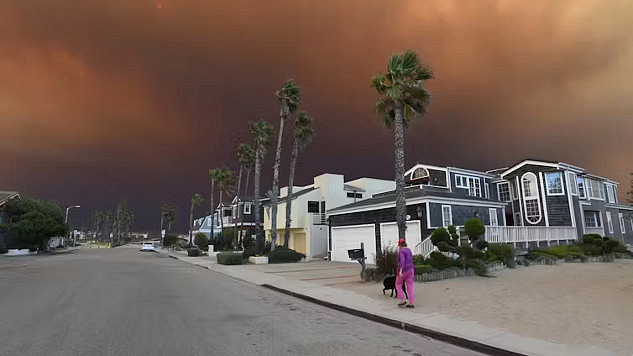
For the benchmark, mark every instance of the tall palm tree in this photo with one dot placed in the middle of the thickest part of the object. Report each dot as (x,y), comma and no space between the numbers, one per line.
(248,167)
(226,183)
(289,99)
(244,157)
(97,218)
(213,177)
(303,135)
(167,214)
(196,200)
(402,98)
(261,132)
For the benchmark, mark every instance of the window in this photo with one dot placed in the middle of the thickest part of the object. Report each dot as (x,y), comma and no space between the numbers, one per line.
(595,189)
(247,208)
(493,217)
(323,207)
(554,182)
(572,178)
(461,181)
(611,193)
(227,212)
(531,202)
(474,187)
(622,228)
(313,207)
(504,191)
(447,216)
(581,188)
(517,219)
(609,222)
(487,190)
(592,219)
(419,173)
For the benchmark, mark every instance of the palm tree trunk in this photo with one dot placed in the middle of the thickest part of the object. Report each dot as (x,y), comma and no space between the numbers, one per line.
(212,209)
(248,176)
(190,224)
(239,181)
(258,226)
(162,238)
(401,205)
(291,180)
(237,211)
(221,215)
(273,214)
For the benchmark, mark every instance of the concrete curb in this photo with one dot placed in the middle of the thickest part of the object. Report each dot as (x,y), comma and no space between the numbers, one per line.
(449,339)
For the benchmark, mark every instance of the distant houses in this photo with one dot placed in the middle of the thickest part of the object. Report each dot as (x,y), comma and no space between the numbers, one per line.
(5,197)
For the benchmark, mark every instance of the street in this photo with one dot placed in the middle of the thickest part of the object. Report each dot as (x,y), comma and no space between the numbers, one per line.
(124,302)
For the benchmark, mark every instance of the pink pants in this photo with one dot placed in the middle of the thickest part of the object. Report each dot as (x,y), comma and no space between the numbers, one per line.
(407,276)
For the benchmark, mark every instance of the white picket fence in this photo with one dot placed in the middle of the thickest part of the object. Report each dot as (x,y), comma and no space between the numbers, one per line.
(524,234)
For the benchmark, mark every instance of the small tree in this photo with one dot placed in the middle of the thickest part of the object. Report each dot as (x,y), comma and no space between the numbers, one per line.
(201,240)
(442,239)
(474,229)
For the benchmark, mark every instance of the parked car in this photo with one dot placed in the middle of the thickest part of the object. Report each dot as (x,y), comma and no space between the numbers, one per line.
(148,246)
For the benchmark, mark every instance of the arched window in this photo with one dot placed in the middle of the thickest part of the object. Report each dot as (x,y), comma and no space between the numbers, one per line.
(419,173)
(531,202)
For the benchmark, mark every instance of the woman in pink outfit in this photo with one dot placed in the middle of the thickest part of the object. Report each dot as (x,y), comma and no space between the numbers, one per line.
(404,273)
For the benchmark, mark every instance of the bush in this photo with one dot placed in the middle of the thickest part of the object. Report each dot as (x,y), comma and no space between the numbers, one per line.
(474,229)
(439,261)
(267,248)
(442,239)
(476,264)
(387,261)
(420,269)
(503,253)
(221,242)
(590,238)
(229,258)
(611,246)
(193,252)
(469,252)
(202,241)
(283,254)
(170,239)
(419,260)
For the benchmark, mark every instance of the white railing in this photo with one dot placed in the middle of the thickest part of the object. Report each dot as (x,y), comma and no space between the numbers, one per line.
(424,248)
(514,234)
(594,230)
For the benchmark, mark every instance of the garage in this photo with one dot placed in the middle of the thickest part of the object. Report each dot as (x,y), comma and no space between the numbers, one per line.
(349,237)
(389,234)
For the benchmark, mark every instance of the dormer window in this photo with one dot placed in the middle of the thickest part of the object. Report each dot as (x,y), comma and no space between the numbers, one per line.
(419,173)
(531,202)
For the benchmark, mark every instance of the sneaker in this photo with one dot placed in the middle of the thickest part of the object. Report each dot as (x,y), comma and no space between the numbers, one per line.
(410,306)
(402,305)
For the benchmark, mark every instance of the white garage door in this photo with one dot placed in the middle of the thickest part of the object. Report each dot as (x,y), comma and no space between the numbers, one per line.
(349,237)
(389,234)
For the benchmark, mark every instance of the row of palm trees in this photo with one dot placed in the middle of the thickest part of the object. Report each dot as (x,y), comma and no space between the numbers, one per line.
(402,98)
(113,226)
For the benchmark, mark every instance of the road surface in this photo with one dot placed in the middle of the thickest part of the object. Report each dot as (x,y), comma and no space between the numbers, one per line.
(125,302)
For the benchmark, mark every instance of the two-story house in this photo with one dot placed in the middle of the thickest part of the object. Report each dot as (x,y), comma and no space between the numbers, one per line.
(309,232)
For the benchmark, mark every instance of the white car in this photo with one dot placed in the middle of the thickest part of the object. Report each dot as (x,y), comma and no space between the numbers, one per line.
(148,246)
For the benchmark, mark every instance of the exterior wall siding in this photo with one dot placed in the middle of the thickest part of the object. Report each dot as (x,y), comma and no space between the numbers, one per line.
(462,213)
(628,225)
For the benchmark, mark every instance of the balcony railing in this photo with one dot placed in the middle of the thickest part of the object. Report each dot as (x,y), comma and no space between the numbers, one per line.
(514,234)
(424,248)
(594,230)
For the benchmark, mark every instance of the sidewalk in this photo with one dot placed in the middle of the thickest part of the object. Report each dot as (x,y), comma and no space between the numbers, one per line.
(316,282)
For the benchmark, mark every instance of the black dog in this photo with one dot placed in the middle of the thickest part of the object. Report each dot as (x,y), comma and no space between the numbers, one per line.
(390,283)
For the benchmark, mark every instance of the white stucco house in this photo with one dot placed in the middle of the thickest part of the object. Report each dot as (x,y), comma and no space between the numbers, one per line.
(309,232)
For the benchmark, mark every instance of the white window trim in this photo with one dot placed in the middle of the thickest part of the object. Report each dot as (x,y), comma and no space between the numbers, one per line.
(487,190)
(584,188)
(493,212)
(611,194)
(631,218)
(540,176)
(532,197)
(609,222)
(622,227)
(499,192)
(450,215)
(562,186)
(248,208)
(573,177)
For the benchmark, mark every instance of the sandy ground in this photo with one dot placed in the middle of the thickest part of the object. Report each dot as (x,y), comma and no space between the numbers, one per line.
(572,303)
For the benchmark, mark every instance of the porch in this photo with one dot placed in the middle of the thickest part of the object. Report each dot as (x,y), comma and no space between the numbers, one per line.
(530,234)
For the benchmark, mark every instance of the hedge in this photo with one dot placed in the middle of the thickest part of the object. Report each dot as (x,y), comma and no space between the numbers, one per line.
(283,254)
(229,258)
(420,269)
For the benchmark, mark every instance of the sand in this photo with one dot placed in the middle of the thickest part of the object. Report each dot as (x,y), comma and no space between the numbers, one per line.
(571,303)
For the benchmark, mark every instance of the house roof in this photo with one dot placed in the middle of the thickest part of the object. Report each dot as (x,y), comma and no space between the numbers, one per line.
(5,196)
(410,193)
(352,188)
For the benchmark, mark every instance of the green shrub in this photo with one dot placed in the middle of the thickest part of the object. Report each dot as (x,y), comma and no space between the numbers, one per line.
(590,238)
(387,261)
(539,253)
(503,253)
(283,254)
(419,260)
(611,246)
(476,264)
(229,258)
(452,230)
(474,229)
(469,252)
(420,269)
(558,251)
(440,261)
(202,241)
(442,239)
(222,242)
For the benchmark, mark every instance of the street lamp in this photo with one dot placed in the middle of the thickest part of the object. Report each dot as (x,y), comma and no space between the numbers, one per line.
(66,220)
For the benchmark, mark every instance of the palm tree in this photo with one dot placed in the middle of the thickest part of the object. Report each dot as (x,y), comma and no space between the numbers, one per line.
(97,218)
(108,222)
(244,157)
(289,98)
(226,183)
(261,133)
(196,200)
(248,166)
(213,177)
(402,98)
(303,135)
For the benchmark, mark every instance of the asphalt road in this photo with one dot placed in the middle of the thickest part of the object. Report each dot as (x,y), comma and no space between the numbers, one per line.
(124,302)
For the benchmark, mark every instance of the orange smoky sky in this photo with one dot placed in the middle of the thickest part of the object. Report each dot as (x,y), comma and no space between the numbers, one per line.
(100,100)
